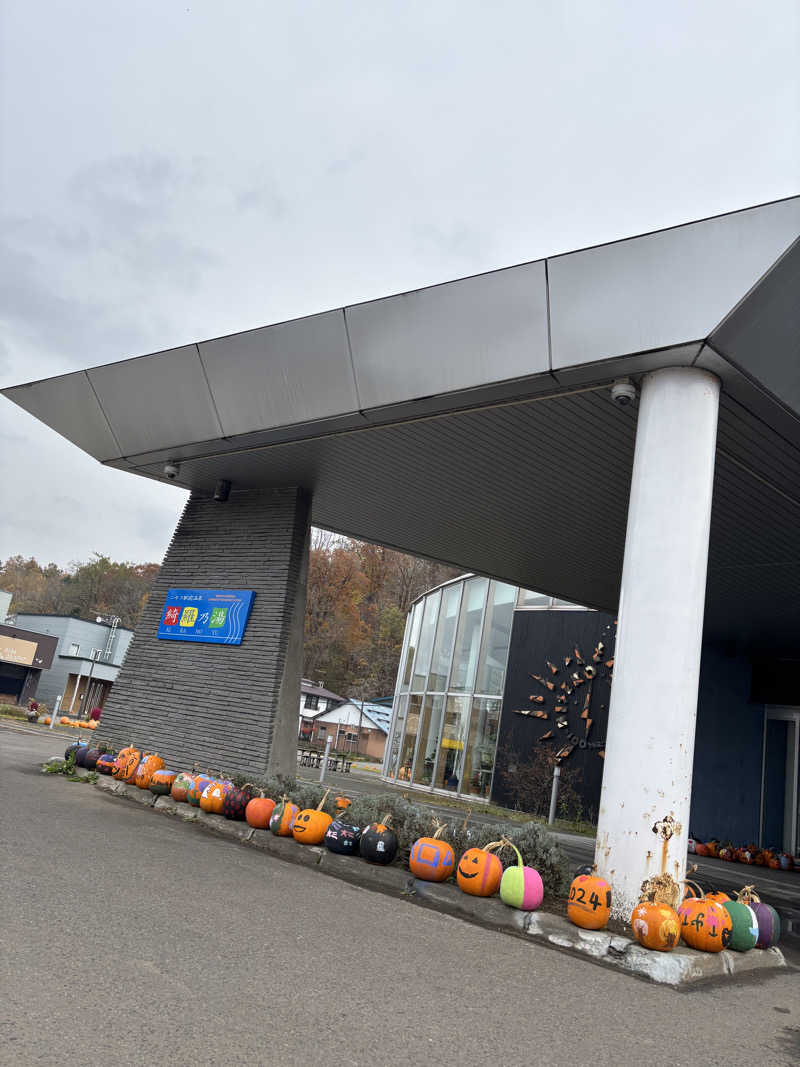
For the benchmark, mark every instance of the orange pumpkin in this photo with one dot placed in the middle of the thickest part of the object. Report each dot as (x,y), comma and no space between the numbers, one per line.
(656,926)
(310,825)
(63,720)
(283,817)
(479,870)
(705,924)
(717,896)
(92,725)
(213,797)
(589,902)
(342,803)
(47,720)
(258,812)
(149,764)
(126,764)
(432,860)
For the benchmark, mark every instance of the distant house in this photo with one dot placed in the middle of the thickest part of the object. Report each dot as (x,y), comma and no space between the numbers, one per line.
(88,657)
(354,727)
(314,698)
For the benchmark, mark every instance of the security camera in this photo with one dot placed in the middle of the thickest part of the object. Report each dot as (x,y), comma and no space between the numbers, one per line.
(172,470)
(623,392)
(222,490)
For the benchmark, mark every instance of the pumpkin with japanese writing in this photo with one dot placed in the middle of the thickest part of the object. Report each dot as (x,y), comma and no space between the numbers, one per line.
(589,902)
(127,764)
(258,812)
(342,838)
(431,859)
(479,871)
(149,763)
(162,781)
(181,786)
(705,924)
(283,817)
(378,843)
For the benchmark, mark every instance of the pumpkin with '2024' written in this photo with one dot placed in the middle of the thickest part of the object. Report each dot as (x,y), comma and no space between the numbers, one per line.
(589,902)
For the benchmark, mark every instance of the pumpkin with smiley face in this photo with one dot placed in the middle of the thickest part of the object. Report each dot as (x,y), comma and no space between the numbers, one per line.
(479,871)
(310,825)
(379,843)
(127,764)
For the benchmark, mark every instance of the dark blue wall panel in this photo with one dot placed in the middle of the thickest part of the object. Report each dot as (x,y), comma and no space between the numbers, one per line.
(726,787)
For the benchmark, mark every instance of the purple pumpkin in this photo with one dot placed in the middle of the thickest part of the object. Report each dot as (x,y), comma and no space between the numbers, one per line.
(769,924)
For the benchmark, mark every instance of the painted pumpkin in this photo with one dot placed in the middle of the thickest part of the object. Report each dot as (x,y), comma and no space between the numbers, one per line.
(81,752)
(479,871)
(589,902)
(727,853)
(701,849)
(74,747)
(746,855)
(310,825)
(91,758)
(431,859)
(343,838)
(283,818)
(705,924)
(378,843)
(149,763)
(769,924)
(656,926)
(162,781)
(787,861)
(744,932)
(236,800)
(199,784)
(212,798)
(127,764)
(717,896)
(521,887)
(105,764)
(258,812)
(181,786)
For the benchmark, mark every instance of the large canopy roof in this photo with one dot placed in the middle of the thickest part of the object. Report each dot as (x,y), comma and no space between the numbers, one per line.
(472,421)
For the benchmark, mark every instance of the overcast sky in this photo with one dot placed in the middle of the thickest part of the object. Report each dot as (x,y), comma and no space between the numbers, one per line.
(176,171)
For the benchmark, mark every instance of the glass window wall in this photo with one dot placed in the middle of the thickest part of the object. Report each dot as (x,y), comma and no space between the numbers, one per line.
(445,732)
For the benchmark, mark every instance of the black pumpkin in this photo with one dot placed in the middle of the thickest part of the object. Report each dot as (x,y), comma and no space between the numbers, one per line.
(378,844)
(81,754)
(91,758)
(586,869)
(236,800)
(105,764)
(75,747)
(342,837)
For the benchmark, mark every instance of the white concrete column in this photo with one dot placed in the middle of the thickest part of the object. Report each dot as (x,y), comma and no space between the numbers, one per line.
(650,741)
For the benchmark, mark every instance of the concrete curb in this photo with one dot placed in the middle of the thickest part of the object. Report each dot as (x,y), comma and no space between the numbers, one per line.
(682,968)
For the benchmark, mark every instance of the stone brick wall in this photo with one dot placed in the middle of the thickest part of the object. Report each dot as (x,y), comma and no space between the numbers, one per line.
(232,708)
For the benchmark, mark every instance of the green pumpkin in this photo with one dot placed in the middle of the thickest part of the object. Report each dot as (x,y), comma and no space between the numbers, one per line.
(745,926)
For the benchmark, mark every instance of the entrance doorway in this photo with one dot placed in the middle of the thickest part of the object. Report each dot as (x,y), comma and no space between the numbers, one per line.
(780,803)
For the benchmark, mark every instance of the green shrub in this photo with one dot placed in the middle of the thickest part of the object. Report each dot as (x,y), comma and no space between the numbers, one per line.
(14,711)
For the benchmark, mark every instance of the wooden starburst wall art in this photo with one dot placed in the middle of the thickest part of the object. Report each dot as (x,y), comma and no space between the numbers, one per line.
(564,692)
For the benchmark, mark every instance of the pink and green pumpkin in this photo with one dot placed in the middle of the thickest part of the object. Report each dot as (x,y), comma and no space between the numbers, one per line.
(521,887)
(769,924)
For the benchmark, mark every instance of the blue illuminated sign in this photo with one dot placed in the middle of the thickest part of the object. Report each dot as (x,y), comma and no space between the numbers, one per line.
(213,616)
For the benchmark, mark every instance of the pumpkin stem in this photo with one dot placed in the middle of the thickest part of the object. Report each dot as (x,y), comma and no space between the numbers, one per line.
(466,819)
(387,818)
(694,885)
(440,827)
(748,895)
(325,797)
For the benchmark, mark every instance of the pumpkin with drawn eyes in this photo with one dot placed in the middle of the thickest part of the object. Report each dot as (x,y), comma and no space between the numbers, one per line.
(181,786)
(431,859)
(342,838)
(379,843)
(479,871)
(212,798)
(162,781)
(283,817)
(200,783)
(310,825)
(127,763)
(589,902)
(148,765)
(258,812)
